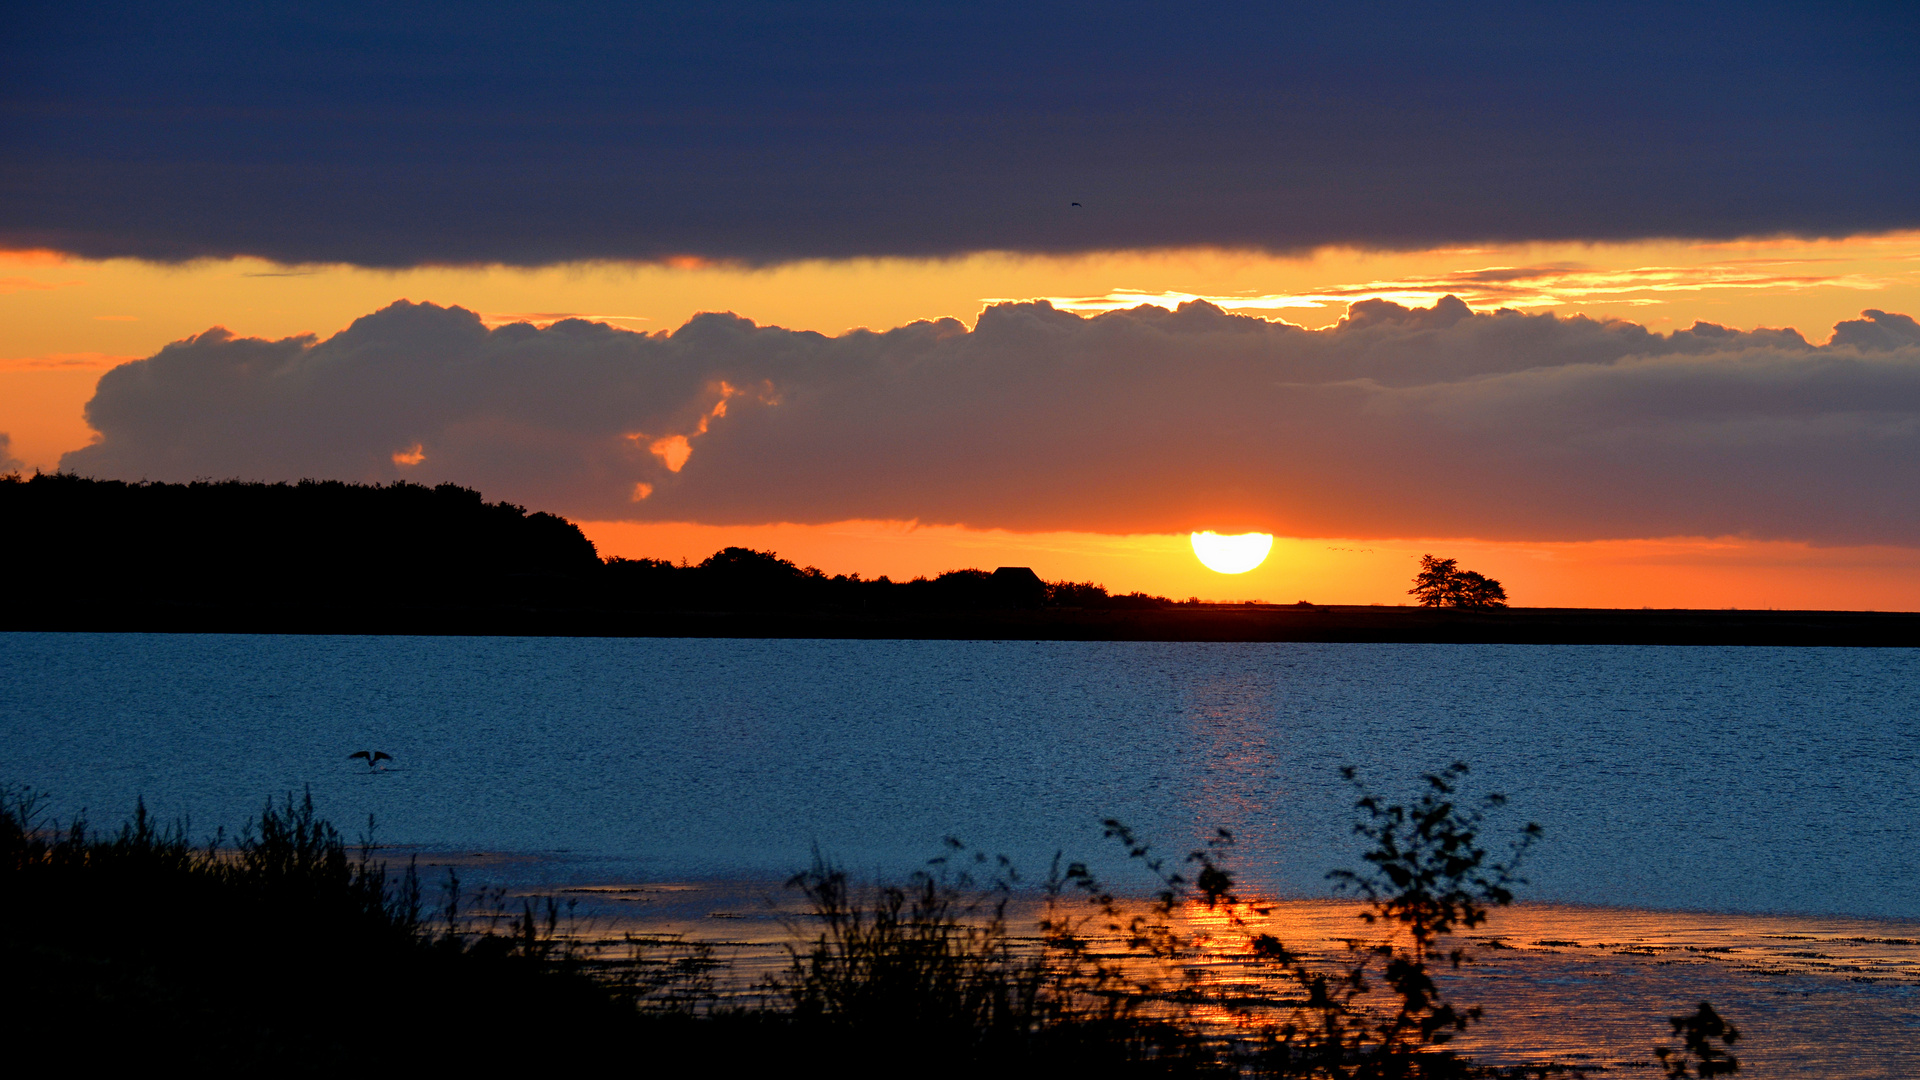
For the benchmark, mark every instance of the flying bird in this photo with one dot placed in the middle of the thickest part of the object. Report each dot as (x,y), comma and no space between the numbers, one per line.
(372,756)
(1076,204)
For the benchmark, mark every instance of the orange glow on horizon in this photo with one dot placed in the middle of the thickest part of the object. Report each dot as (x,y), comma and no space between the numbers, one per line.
(1674,572)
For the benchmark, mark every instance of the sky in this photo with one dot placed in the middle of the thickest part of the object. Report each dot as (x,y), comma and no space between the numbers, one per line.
(1610,302)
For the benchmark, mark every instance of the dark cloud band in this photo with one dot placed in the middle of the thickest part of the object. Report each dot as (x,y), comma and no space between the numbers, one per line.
(394,135)
(1434,421)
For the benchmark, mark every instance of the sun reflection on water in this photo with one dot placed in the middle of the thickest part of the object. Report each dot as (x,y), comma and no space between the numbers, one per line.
(1833,997)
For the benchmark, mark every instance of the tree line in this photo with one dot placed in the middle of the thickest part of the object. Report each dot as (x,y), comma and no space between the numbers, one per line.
(336,545)
(737,578)
(80,540)
(330,544)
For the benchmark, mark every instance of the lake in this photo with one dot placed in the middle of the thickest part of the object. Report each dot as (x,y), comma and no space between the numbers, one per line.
(1738,824)
(1706,779)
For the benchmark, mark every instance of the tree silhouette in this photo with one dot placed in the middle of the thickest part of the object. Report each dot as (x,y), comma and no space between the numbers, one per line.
(1441,583)
(312,543)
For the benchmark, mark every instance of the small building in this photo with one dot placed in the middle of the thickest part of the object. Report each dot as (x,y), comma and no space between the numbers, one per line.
(1017,587)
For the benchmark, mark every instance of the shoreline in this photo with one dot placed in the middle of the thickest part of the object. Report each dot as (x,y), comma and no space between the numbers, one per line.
(693,897)
(1330,623)
(1561,982)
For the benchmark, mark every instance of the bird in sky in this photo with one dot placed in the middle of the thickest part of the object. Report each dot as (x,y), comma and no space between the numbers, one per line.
(372,756)
(1076,204)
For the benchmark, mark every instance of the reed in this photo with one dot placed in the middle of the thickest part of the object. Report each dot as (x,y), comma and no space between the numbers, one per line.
(284,950)
(278,951)
(895,969)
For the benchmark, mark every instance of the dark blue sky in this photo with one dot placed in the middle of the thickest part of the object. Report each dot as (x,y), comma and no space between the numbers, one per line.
(395,134)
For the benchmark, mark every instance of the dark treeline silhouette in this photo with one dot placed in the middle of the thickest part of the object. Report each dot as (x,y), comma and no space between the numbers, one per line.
(331,557)
(315,542)
(334,545)
(740,579)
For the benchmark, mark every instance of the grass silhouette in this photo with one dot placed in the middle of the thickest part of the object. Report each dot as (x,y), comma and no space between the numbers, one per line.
(278,952)
(282,950)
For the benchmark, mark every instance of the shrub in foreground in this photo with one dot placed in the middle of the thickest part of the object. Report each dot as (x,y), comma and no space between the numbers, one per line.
(282,952)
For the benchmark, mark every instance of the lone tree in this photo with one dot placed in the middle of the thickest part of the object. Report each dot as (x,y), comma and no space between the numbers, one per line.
(1441,583)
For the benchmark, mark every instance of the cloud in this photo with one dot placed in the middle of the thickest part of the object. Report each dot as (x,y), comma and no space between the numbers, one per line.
(1523,287)
(8,463)
(544,318)
(1397,421)
(21,284)
(1878,330)
(55,361)
(761,130)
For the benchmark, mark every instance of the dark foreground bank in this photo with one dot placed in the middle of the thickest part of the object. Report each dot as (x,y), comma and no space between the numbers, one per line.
(284,954)
(281,953)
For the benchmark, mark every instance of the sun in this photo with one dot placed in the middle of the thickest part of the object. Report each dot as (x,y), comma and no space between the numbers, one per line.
(1231,554)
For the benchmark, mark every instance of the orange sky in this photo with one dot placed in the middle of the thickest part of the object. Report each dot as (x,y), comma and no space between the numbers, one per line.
(63,322)
(1674,572)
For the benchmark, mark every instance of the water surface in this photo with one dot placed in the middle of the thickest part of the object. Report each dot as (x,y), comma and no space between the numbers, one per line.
(1730,779)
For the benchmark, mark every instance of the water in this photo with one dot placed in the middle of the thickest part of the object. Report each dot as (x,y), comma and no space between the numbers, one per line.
(1734,824)
(1721,779)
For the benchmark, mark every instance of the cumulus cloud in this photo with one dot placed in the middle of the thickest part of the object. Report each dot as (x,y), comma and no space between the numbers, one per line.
(1396,421)
(764,130)
(8,463)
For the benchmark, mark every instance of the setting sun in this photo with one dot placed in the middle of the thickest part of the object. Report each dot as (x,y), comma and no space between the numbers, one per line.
(1231,554)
